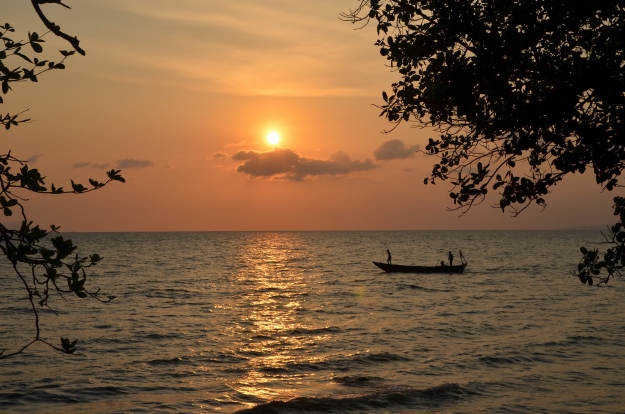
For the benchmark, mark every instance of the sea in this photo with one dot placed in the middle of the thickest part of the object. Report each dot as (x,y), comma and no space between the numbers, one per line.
(303,322)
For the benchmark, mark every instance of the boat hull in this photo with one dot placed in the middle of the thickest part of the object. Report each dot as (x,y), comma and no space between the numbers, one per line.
(420,269)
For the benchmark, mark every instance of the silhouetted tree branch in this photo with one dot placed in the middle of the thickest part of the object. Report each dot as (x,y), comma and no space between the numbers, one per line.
(522,93)
(53,27)
(51,259)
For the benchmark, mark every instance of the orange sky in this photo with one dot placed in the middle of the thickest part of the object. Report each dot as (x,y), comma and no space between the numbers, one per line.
(181,95)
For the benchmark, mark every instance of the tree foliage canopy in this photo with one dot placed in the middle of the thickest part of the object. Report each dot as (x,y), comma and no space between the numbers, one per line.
(50,260)
(522,92)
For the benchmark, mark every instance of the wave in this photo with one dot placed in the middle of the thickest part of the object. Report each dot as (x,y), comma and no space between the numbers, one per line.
(170,361)
(586,339)
(341,363)
(315,331)
(67,396)
(103,391)
(413,287)
(160,335)
(514,359)
(403,286)
(19,398)
(392,399)
(356,380)
(218,358)
(572,343)
(378,357)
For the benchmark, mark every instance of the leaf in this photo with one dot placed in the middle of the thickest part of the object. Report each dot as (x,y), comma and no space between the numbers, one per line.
(78,188)
(26,58)
(68,347)
(36,47)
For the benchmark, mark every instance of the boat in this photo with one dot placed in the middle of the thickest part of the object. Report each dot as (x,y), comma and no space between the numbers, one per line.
(421,269)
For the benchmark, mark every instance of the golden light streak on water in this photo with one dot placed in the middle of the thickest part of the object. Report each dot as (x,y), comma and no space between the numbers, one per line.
(271,293)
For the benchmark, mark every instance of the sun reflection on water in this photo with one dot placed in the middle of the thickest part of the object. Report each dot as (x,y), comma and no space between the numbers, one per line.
(274,333)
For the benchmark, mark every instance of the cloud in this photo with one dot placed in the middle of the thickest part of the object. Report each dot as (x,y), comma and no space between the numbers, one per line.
(284,163)
(394,150)
(34,158)
(132,163)
(81,165)
(100,166)
(218,155)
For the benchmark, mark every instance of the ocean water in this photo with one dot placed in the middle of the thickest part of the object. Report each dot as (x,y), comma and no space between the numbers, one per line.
(302,322)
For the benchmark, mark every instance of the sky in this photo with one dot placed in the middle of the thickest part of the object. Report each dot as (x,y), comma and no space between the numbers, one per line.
(181,97)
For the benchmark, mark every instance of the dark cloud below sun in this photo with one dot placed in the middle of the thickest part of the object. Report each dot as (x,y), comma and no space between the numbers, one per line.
(285,163)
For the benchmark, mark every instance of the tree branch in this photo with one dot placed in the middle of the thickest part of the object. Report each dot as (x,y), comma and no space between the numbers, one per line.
(56,29)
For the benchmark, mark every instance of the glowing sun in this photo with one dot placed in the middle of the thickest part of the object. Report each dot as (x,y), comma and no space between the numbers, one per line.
(273,138)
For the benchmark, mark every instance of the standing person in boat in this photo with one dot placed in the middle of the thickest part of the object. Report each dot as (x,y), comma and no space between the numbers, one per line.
(389,257)
(451,259)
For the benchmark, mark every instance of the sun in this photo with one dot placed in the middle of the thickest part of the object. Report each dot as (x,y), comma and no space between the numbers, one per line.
(273,138)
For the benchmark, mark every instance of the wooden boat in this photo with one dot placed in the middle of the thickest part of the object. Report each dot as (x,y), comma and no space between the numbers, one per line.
(421,269)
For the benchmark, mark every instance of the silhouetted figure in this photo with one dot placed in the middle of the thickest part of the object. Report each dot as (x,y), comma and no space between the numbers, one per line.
(451,259)
(389,257)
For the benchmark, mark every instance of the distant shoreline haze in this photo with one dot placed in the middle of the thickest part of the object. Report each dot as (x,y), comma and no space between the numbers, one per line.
(597,229)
